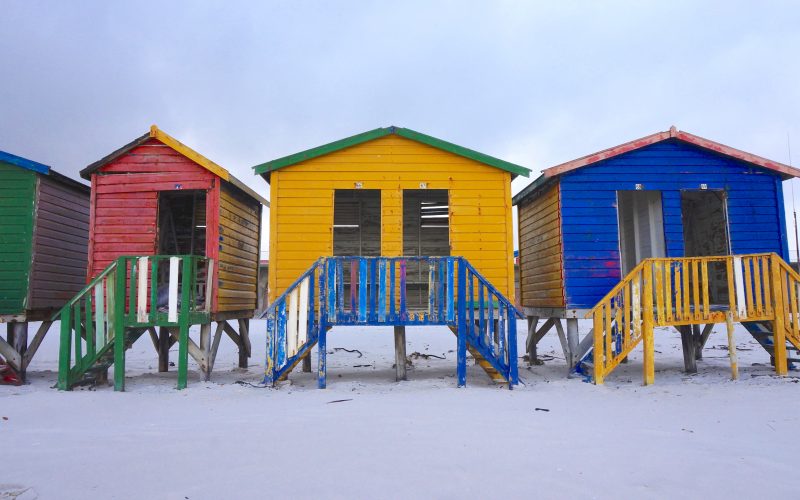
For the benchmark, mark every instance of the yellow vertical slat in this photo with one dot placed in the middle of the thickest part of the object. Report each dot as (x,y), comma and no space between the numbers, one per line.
(765,273)
(659,289)
(748,285)
(779,332)
(618,317)
(626,330)
(647,328)
(704,270)
(608,315)
(599,358)
(668,289)
(695,289)
(791,289)
(686,265)
(757,285)
(678,294)
(636,297)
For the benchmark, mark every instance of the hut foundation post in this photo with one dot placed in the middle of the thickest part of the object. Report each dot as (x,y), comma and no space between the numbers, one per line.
(307,363)
(572,340)
(533,322)
(688,343)
(205,351)
(400,353)
(244,342)
(164,343)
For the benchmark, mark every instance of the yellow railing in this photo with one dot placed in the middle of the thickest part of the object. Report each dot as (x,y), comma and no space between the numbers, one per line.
(694,290)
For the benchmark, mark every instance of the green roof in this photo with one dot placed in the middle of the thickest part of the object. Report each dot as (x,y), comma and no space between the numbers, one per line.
(270,166)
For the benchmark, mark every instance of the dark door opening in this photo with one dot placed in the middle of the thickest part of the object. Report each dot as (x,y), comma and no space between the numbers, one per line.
(426,233)
(705,234)
(356,227)
(641,227)
(181,231)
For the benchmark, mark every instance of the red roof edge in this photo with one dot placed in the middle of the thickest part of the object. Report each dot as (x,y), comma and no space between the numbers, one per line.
(673,132)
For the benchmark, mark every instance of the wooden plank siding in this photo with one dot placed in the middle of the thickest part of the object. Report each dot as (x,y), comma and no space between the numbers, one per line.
(302,198)
(239,237)
(60,243)
(124,210)
(589,209)
(17,200)
(541,265)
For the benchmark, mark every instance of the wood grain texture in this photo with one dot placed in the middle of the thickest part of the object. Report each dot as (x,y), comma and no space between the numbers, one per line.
(541,259)
(302,205)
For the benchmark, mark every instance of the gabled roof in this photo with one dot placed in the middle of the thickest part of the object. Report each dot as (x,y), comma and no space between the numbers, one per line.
(40,169)
(167,140)
(673,133)
(24,163)
(270,166)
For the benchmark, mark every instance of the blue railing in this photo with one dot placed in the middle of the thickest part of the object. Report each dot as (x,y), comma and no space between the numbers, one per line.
(399,291)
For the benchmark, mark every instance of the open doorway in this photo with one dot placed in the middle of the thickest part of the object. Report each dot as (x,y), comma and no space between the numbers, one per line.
(641,227)
(181,231)
(705,234)
(426,233)
(356,227)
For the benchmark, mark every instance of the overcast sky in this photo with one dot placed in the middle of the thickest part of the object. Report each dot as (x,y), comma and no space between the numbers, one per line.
(535,83)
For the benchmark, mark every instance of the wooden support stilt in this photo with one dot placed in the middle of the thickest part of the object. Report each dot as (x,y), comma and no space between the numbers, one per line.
(572,341)
(244,339)
(700,339)
(307,363)
(205,351)
(688,343)
(732,346)
(530,343)
(164,343)
(35,343)
(400,353)
(215,345)
(20,344)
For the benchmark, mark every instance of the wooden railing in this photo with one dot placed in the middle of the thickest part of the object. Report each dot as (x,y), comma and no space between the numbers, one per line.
(374,291)
(693,290)
(132,293)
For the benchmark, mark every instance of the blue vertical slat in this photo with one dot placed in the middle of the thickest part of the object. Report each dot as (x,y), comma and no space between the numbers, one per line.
(322,354)
(392,295)
(362,290)
(331,287)
(501,334)
(490,323)
(403,312)
(382,291)
(373,289)
(512,347)
(269,365)
(440,289)
(481,314)
(353,288)
(281,336)
(461,354)
(311,305)
(471,300)
(339,263)
(431,288)
(450,298)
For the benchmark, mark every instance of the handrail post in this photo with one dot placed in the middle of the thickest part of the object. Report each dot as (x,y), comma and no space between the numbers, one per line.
(779,315)
(119,324)
(461,350)
(512,346)
(183,321)
(647,328)
(599,349)
(65,348)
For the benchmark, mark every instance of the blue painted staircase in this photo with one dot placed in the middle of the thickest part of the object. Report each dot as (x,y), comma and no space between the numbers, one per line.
(347,291)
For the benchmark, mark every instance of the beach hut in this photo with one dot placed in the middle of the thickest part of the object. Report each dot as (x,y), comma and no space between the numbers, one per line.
(157,198)
(44,229)
(673,199)
(376,202)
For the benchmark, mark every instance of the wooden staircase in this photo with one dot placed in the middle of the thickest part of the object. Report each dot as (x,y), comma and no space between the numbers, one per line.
(762,293)
(118,306)
(483,320)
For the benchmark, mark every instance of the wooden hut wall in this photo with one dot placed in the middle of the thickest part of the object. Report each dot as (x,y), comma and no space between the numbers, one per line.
(301,213)
(540,257)
(60,243)
(125,201)
(589,209)
(17,198)
(239,237)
